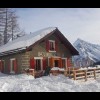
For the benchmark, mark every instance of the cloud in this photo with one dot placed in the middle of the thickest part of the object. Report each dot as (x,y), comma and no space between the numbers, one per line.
(74,23)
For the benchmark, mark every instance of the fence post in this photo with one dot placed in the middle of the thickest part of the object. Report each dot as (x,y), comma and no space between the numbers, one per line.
(74,73)
(94,74)
(85,71)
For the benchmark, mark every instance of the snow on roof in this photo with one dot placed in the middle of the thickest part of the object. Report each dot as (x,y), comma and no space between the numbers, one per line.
(26,40)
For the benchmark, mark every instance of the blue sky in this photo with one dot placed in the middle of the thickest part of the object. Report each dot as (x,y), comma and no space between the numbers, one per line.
(74,23)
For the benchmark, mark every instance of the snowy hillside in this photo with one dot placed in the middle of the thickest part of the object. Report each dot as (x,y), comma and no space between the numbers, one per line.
(89,53)
(60,83)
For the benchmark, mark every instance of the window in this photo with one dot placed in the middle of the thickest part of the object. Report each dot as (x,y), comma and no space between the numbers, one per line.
(38,63)
(51,45)
(12,65)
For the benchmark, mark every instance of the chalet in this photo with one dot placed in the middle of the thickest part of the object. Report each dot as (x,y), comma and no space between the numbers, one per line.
(46,47)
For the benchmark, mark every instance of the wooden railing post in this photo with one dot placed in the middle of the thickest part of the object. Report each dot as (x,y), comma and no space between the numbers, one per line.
(74,74)
(85,72)
(94,74)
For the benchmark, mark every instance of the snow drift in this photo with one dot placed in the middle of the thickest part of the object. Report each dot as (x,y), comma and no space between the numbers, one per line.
(60,83)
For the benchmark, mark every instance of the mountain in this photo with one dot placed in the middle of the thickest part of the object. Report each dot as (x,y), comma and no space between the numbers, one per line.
(88,53)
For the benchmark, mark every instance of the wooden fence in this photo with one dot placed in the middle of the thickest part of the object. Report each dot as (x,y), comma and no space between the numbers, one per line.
(76,73)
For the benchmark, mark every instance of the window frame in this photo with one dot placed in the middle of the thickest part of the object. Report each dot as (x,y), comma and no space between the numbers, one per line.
(11,60)
(41,59)
(54,44)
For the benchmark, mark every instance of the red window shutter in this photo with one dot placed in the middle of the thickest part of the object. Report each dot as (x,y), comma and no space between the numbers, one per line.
(56,45)
(47,45)
(44,64)
(15,65)
(9,66)
(32,63)
(51,61)
(0,65)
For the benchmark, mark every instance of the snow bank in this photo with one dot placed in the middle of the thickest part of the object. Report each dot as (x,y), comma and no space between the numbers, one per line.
(57,68)
(60,83)
(83,68)
(91,67)
(61,69)
(98,66)
(88,68)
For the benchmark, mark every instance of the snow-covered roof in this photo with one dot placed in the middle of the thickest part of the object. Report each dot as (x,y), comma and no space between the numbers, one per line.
(27,40)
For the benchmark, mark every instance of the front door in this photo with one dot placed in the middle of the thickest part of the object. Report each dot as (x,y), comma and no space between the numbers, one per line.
(38,63)
(55,62)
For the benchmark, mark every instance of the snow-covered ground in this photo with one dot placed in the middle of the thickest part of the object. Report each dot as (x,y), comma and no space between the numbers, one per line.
(60,83)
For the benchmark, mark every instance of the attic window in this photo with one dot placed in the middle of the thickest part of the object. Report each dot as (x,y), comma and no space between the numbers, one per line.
(51,45)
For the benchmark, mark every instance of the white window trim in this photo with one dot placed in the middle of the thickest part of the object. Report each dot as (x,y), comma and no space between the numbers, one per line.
(56,57)
(41,61)
(12,58)
(11,65)
(65,61)
(51,51)
(51,40)
(38,57)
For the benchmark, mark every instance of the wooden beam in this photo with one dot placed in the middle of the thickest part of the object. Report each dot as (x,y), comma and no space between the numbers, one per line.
(74,73)
(94,74)
(85,72)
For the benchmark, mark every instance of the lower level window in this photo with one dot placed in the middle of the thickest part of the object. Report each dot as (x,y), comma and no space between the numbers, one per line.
(12,66)
(38,64)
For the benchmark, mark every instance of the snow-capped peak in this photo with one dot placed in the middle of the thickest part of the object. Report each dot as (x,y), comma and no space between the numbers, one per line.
(87,50)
